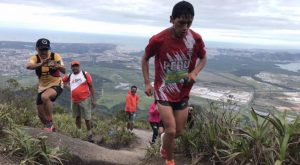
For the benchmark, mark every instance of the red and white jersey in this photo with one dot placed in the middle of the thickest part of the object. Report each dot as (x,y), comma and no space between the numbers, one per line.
(79,85)
(174,59)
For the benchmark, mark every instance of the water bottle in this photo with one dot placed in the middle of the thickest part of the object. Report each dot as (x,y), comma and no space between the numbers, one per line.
(184,80)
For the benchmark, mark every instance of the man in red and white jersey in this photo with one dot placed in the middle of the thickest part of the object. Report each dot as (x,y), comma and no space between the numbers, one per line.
(180,56)
(80,84)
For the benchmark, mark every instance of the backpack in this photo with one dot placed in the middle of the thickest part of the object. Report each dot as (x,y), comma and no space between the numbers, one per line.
(84,75)
(52,72)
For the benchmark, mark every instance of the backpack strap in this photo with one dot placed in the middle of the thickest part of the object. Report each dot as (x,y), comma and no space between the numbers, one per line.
(38,60)
(69,76)
(83,72)
(84,75)
(52,56)
(38,71)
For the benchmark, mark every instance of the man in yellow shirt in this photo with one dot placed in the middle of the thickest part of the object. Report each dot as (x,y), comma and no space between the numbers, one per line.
(48,66)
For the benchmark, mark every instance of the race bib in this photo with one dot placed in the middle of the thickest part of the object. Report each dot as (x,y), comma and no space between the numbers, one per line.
(175,76)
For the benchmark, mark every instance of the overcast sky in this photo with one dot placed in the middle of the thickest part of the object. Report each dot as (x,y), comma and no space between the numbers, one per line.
(270,22)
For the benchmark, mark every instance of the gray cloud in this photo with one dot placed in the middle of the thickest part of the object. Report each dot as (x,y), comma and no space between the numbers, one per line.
(244,16)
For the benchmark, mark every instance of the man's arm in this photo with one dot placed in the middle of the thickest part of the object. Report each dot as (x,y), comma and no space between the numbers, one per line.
(66,82)
(193,75)
(145,70)
(61,68)
(59,64)
(93,96)
(32,65)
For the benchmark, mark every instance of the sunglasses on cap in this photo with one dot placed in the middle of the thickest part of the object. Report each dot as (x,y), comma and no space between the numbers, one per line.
(43,49)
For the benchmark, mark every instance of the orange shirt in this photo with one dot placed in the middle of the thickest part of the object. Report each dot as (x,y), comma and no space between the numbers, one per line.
(79,86)
(132,102)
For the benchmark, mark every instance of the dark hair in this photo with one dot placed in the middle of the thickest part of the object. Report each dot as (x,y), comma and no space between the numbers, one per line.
(182,8)
(133,87)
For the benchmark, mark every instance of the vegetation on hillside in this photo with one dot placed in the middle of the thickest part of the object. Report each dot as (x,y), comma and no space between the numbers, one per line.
(221,135)
(17,109)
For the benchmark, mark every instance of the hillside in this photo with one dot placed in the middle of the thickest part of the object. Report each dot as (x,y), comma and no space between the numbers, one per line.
(265,79)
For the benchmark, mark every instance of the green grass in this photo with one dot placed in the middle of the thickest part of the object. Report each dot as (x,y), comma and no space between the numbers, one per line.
(23,147)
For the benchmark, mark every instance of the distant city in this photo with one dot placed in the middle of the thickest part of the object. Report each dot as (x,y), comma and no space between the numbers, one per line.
(251,77)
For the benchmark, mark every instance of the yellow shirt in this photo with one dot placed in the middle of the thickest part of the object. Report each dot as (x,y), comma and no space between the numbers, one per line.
(46,80)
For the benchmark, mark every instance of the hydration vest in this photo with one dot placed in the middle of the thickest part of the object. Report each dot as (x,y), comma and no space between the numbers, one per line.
(53,72)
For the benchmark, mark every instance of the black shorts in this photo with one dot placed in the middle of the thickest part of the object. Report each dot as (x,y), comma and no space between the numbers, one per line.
(175,105)
(58,90)
(130,116)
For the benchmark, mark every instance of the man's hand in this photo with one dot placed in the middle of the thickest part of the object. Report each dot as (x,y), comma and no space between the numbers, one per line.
(56,66)
(94,104)
(45,61)
(148,89)
(192,77)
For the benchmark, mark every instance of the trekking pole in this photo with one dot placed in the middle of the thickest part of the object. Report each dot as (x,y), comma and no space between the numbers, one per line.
(71,105)
(184,80)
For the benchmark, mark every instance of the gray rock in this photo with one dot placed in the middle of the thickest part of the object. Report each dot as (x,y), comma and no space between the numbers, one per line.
(85,153)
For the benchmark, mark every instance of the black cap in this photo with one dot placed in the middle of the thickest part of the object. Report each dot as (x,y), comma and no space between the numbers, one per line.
(43,43)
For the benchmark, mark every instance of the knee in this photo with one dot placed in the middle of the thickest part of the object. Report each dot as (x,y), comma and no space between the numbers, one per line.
(170,131)
(179,133)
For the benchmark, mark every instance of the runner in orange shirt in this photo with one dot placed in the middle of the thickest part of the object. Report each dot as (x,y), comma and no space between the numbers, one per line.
(132,101)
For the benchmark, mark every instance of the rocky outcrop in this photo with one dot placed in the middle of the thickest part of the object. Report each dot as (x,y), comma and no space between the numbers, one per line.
(85,153)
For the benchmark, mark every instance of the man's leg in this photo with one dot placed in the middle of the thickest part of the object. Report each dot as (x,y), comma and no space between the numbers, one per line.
(78,122)
(41,114)
(131,125)
(160,131)
(76,114)
(88,125)
(181,120)
(48,104)
(86,113)
(167,116)
(128,125)
(41,109)
(155,132)
(131,121)
(128,120)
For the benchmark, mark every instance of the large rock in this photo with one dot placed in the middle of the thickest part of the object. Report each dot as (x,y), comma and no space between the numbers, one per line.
(85,153)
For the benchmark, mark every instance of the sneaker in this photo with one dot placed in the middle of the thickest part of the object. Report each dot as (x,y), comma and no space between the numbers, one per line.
(49,128)
(170,162)
(163,152)
(90,139)
(151,142)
